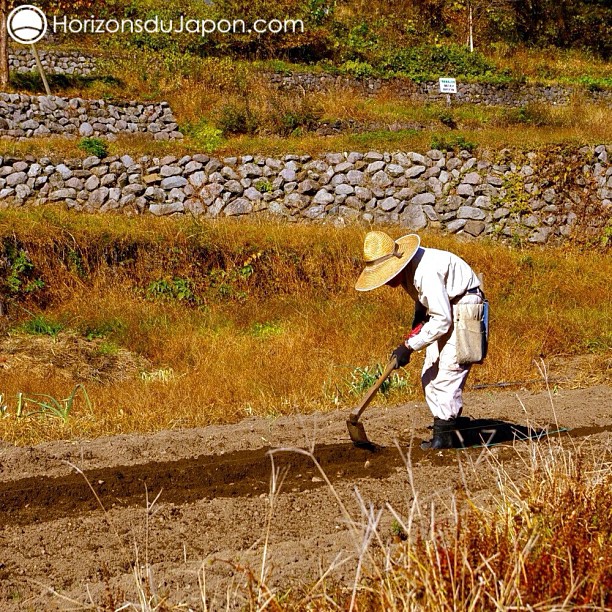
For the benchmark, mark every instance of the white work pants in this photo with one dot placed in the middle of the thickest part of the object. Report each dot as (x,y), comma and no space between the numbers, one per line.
(443,378)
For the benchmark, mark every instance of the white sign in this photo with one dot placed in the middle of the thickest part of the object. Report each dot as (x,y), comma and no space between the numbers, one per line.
(448,86)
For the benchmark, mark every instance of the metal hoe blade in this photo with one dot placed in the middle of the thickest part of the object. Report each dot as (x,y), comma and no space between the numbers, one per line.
(355,428)
(357,433)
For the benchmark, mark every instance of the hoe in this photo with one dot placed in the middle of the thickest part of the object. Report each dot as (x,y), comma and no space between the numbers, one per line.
(355,428)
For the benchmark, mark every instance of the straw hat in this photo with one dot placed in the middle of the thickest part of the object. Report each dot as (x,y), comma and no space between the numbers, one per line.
(384,258)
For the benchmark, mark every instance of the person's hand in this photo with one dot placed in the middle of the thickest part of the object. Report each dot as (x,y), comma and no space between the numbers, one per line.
(402,355)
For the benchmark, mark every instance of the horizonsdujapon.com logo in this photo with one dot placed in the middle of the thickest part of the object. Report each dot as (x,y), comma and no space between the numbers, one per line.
(26,24)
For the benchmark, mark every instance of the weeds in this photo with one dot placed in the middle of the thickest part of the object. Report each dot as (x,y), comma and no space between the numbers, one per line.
(180,289)
(361,379)
(452,143)
(41,325)
(94,146)
(21,278)
(47,405)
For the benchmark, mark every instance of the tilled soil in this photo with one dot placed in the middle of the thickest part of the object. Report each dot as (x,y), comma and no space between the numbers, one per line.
(185,515)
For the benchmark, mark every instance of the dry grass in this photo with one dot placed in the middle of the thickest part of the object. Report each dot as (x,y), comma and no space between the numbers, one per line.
(200,90)
(540,541)
(550,65)
(263,318)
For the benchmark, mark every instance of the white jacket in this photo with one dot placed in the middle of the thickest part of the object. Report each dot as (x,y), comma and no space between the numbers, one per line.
(435,279)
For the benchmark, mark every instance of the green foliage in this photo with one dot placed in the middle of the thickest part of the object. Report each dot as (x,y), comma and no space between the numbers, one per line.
(361,379)
(206,136)
(263,185)
(606,237)
(320,11)
(42,326)
(427,62)
(180,289)
(266,329)
(108,348)
(445,142)
(283,115)
(94,146)
(515,198)
(236,119)
(102,329)
(447,118)
(302,116)
(227,281)
(358,69)
(397,530)
(47,405)
(593,84)
(20,280)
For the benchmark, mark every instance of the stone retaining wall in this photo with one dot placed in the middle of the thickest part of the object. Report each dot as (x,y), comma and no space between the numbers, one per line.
(515,95)
(532,197)
(23,116)
(54,62)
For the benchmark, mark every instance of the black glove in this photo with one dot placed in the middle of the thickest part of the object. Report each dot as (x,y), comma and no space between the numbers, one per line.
(402,355)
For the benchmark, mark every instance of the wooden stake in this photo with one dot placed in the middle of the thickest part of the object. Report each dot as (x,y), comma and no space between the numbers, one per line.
(41,70)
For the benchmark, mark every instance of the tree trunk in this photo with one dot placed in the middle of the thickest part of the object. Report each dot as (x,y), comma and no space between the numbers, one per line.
(4,53)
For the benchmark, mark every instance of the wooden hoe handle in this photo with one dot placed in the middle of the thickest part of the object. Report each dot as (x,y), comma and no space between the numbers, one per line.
(392,365)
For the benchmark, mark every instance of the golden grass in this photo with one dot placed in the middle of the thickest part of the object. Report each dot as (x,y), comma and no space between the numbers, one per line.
(198,89)
(539,540)
(280,335)
(550,65)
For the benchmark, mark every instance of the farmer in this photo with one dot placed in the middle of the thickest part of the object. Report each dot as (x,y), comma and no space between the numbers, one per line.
(446,293)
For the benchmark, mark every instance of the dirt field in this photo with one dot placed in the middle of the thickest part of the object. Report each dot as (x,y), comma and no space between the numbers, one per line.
(193,505)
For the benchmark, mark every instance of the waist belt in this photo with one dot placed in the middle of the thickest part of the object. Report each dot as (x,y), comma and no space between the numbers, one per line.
(473,291)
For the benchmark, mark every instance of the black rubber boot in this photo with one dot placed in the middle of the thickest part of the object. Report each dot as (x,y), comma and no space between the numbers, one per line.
(442,434)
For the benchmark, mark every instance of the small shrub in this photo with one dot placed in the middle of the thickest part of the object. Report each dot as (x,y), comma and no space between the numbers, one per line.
(236,119)
(263,185)
(289,116)
(20,279)
(180,289)
(94,146)
(452,143)
(108,348)
(206,136)
(447,119)
(360,70)
(427,62)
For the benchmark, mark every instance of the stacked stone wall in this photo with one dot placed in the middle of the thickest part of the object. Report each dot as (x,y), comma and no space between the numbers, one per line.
(54,62)
(513,94)
(536,197)
(23,116)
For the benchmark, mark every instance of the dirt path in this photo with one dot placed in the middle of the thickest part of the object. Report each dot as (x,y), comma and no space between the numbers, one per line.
(194,505)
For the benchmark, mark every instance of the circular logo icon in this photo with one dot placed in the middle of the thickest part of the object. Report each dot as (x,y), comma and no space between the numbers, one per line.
(26,24)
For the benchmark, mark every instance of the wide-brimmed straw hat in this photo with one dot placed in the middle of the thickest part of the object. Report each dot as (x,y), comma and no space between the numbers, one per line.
(385,258)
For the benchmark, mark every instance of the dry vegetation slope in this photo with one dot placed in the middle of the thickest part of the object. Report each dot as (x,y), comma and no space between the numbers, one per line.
(177,323)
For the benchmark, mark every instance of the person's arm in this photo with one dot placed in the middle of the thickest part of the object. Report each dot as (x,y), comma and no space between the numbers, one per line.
(438,309)
(420,315)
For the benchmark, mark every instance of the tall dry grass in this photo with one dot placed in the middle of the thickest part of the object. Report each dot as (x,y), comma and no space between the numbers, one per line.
(538,540)
(265,320)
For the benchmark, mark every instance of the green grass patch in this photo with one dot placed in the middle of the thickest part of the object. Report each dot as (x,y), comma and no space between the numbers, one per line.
(41,325)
